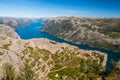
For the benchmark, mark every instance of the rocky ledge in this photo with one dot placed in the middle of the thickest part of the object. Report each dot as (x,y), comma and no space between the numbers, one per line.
(43,59)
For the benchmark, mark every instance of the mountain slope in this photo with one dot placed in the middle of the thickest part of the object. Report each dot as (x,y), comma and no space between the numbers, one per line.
(97,32)
(115,73)
(15,23)
(43,59)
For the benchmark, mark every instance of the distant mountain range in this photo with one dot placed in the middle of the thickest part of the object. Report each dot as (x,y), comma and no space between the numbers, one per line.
(43,59)
(16,23)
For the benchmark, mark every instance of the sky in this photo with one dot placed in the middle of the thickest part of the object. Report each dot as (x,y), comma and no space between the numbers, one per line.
(53,8)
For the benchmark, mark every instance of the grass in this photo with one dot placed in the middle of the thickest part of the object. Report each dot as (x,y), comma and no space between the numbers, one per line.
(74,67)
(6,46)
(65,64)
(9,71)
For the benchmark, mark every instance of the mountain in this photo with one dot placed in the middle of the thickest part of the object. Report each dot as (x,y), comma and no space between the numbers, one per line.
(43,20)
(7,31)
(43,59)
(97,32)
(16,23)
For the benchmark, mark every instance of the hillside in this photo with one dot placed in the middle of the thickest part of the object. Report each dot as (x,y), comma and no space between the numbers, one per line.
(115,73)
(15,23)
(97,32)
(43,59)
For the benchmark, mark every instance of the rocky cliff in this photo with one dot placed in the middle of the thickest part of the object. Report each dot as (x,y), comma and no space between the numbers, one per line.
(43,59)
(97,32)
(7,31)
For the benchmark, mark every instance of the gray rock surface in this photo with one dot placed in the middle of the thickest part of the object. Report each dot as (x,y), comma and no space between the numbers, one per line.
(97,32)
(7,31)
(39,54)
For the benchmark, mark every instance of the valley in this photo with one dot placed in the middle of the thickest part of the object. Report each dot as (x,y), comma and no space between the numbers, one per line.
(59,39)
(96,32)
(53,57)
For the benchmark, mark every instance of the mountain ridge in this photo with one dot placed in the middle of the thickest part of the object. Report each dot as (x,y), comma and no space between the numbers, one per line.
(97,32)
(16,22)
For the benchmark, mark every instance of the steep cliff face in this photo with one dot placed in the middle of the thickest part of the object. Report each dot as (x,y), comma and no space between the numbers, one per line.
(15,23)
(97,32)
(43,59)
(115,73)
(47,58)
(7,31)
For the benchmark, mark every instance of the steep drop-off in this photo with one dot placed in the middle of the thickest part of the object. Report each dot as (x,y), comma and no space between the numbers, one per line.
(97,32)
(7,31)
(43,59)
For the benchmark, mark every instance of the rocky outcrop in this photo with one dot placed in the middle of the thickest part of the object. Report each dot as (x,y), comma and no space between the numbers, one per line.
(97,32)
(7,31)
(41,52)
(43,59)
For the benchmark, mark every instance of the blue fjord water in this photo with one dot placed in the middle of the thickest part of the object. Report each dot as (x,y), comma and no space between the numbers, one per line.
(33,31)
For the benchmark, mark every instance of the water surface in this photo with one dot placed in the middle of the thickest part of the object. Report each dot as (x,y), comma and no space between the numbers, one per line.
(33,31)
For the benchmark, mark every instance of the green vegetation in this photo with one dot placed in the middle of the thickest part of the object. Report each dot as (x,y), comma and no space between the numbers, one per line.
(6,46)
(9,72)
(66,65)
(85,70)
(27,73)
(114,35)
(70,67)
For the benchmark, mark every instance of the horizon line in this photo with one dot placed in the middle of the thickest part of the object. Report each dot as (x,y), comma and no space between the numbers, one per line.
(55,16)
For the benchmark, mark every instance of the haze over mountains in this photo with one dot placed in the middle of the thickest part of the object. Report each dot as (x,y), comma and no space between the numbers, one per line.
(16,23)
